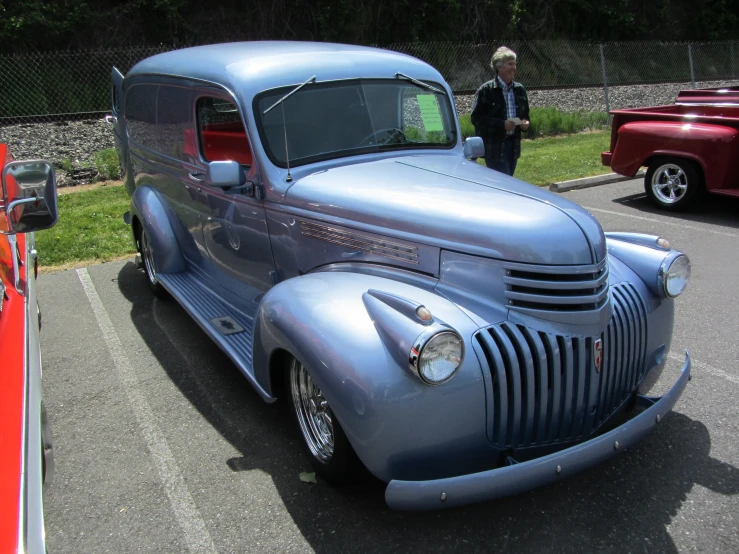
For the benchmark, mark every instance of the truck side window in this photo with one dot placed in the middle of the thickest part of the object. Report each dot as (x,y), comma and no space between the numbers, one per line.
(141,115)
(221,131)
(174,120)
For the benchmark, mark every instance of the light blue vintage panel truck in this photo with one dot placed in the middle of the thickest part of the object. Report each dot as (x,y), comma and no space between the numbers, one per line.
(459,333)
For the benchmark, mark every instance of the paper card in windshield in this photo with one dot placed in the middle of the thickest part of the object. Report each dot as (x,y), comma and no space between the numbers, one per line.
(430,113)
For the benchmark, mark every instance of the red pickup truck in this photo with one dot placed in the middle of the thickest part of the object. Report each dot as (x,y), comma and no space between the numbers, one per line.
(688,148)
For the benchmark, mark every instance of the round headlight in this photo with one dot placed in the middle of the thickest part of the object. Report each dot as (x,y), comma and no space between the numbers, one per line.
(436,357)
(675,275)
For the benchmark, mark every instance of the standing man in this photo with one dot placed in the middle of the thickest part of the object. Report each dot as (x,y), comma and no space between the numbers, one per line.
(500,112)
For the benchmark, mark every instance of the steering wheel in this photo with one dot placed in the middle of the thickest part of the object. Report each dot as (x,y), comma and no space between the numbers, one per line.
(392,134)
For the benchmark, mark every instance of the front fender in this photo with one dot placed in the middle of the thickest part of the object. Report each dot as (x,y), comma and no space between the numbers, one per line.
(637,258)
(156,217)
(397,424)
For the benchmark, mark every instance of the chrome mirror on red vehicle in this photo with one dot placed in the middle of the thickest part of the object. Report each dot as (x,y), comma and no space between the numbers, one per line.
(28,196)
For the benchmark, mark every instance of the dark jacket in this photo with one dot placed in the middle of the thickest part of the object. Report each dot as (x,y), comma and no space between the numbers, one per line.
(489,115)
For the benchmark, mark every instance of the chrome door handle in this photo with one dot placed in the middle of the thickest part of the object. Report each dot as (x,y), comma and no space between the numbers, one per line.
(197,176)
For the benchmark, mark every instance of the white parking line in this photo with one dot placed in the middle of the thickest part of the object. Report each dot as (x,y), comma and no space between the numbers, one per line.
(707,368)
(196,534)
(663,222)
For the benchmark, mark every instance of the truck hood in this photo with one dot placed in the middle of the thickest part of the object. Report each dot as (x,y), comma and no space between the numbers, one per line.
(455,204)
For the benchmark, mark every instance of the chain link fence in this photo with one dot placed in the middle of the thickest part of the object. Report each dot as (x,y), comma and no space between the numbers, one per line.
(56,86)
(563,64)
(584,77)
(43,87)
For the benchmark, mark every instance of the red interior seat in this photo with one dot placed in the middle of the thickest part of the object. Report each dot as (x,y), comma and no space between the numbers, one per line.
(226,141)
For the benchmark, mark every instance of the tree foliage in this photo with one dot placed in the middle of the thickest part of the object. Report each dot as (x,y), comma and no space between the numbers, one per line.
(39,25)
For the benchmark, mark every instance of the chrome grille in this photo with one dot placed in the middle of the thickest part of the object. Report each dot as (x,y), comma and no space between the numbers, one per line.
(545,387)
(556,288)
(361,242)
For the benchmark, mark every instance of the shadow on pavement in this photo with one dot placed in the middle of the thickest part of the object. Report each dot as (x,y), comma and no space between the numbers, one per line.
(625,505)
(711,208)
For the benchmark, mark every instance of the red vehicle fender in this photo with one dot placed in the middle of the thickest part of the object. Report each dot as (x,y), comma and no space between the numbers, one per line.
(12,339)
(713,147)
(5,155)
(13,374)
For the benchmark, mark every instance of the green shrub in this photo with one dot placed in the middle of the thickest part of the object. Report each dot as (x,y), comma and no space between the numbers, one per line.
(107,165)
(67,165)
(546,122)
(468,129)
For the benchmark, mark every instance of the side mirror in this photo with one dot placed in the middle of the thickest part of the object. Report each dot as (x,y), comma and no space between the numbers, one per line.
(474,148)
(29,196)
(225,174)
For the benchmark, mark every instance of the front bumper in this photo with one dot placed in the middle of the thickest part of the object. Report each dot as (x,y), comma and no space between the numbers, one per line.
(517,478)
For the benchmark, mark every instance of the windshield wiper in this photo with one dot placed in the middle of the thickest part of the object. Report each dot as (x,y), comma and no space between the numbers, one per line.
(419,83)
(289,94)
(289,177)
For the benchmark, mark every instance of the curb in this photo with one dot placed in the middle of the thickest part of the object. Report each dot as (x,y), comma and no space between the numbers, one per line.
(598,180)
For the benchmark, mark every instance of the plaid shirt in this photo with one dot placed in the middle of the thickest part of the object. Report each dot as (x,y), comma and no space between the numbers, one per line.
(510,101)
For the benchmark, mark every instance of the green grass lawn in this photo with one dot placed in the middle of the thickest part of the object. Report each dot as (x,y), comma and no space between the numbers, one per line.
(91,227)
(551,160)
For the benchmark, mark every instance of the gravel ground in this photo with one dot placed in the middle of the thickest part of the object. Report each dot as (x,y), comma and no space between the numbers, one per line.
(593,99)
(77,141)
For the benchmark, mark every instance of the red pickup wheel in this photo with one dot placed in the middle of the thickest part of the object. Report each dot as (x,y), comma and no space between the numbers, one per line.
(672,183)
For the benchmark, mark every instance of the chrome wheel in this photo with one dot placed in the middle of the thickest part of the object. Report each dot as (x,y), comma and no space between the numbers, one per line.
(148,254)
(669,183)
(313,413)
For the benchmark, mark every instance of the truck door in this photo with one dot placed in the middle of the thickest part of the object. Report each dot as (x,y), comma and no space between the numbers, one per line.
(233,221)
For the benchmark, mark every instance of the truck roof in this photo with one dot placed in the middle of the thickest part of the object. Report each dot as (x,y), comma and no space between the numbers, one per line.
(250,67)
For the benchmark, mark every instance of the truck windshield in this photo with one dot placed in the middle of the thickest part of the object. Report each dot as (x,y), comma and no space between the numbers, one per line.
(343,118)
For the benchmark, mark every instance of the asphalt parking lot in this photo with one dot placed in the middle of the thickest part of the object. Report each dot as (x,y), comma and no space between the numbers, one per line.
(162,446)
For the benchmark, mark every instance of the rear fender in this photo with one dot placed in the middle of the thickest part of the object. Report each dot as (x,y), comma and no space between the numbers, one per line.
(356,346)
(712,147)
(153,214)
